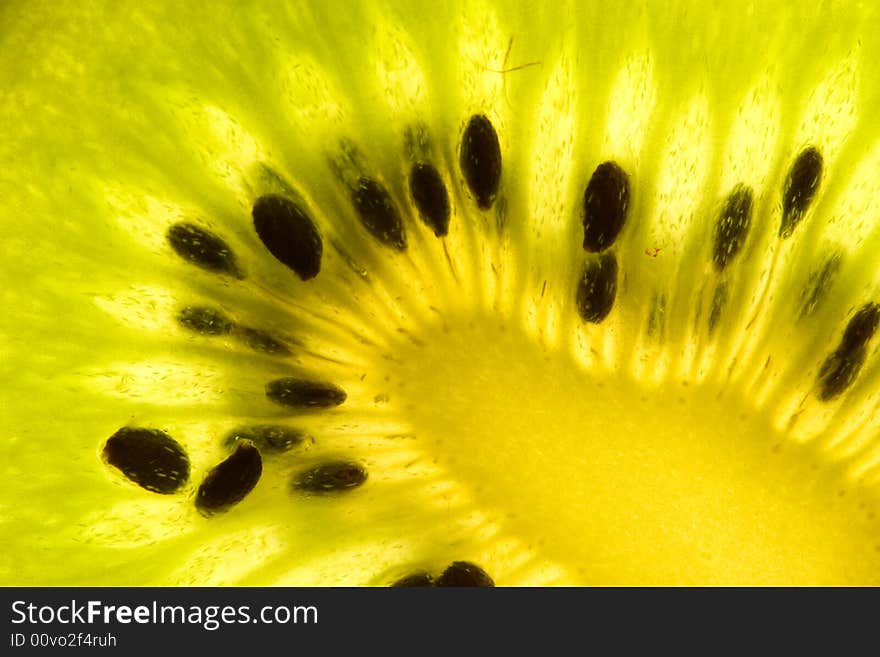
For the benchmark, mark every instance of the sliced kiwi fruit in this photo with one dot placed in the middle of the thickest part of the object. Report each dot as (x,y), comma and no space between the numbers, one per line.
(481,293)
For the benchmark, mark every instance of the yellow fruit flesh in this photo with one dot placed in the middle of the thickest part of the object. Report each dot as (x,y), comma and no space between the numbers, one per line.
(507,431)
(613,480)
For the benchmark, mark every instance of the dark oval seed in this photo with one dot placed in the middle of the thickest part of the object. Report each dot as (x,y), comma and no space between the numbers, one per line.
(205,320)
(203,249)
(732,226)
(430,197)
(378,213)
(480,160)
(801,186)
(149,457)
(331,477)
(261,341)
(268,437)
(861,327)
(464,573)
(229,482)
(606,201)
(303,393)
(415,579)
(289,234)
(597,288)
(839,371)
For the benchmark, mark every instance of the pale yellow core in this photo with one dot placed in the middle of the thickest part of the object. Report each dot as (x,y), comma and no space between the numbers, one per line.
(621,482)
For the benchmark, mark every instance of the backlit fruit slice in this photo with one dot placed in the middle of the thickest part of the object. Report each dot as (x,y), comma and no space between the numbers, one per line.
(481,293)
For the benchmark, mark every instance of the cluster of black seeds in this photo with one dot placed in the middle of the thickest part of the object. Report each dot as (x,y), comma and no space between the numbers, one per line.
(213,322)
(731,229)
(155,461)
(458,573)
(285,227)
(606,202)
(735,218)
(287,230)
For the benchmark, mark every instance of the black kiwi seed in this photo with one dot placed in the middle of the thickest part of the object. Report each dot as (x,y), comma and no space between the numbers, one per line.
(430,197)
(261,341)
(333,477)
(149,457)
(205,320)
(732,226)
(303,393)
(268,437)
(861,327)
(414,579)
(801,186)
(839,371)
(480,160)
(597,288)
(378,213)
(230,481)
(289,234)
(203,249)
(606,201)
(464,573)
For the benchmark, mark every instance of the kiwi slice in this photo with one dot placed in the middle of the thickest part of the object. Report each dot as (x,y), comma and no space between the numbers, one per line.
(486,293)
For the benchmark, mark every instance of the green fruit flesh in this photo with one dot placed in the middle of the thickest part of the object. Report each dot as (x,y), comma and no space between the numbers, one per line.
(476,294)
